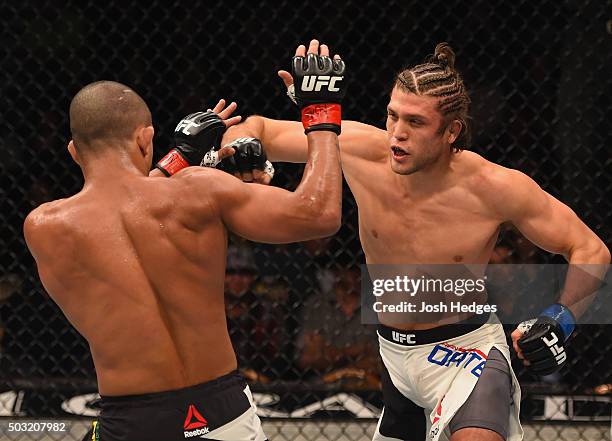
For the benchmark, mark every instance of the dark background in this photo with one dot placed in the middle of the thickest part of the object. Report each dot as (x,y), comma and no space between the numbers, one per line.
(538,73)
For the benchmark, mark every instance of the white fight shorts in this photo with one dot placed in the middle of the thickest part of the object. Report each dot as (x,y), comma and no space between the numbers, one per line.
(430,375)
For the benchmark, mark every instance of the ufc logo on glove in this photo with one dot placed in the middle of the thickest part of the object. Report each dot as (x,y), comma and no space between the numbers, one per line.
(185,125)
(195,120)
(557,351)
(316,82)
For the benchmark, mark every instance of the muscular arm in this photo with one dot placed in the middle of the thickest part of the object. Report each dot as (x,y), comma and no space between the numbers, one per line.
(271,214)
(284,141)
(554,227)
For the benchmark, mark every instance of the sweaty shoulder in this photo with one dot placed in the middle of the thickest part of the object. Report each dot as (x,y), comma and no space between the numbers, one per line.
(502,189)
(199,178)
(44,224)
(203,186)
(363,141)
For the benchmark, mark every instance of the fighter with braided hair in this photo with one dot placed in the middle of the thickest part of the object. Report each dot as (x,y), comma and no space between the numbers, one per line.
(423,198)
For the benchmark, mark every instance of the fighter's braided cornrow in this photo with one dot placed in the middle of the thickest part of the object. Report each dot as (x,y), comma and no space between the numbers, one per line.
(437,77)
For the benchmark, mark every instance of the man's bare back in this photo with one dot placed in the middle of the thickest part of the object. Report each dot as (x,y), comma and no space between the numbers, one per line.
(151,270)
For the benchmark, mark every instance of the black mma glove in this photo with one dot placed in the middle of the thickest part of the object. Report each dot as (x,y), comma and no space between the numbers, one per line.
(194,135)
(249,155)
(319,88)
(543,341)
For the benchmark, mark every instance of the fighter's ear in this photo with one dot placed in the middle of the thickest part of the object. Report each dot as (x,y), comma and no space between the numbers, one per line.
(454,130)
(73,152)
(144,139)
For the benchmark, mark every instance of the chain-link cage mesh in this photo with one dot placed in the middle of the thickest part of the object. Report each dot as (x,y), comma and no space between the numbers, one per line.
(539,77)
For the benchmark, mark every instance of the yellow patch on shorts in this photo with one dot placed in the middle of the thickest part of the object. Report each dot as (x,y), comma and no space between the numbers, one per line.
(95,435)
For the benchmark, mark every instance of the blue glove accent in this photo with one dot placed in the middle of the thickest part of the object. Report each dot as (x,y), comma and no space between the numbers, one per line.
(563,316)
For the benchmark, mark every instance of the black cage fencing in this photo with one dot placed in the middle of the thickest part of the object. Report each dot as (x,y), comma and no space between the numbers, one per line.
(540,81)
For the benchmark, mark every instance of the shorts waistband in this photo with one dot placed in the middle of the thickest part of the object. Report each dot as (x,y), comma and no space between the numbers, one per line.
(211,387)
(433,335)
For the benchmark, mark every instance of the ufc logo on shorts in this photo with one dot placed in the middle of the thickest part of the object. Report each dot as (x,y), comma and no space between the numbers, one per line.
(557,351)
(403,338)
(314,82)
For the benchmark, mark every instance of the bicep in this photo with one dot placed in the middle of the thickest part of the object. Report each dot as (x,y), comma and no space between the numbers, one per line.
(261,213)
(547,222)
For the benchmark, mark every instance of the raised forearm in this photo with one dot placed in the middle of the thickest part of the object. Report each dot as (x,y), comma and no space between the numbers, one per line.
(319,194)
(283,141)
(313,210)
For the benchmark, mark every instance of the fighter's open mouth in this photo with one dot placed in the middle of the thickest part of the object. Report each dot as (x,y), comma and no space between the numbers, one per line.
(398,152)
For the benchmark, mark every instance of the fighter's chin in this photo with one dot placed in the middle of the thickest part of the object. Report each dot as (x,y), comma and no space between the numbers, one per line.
(403,169)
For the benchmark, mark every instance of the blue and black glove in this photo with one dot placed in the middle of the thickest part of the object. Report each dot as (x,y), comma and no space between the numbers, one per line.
(543,340)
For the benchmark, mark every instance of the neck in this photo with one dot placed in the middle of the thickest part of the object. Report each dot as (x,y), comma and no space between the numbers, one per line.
(109,167)
(430,179)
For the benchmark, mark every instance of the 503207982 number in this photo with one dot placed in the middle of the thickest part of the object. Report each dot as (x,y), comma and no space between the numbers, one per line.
(37,426)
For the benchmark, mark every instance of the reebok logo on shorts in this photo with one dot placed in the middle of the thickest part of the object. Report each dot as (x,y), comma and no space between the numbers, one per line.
(195,424)
(438,412)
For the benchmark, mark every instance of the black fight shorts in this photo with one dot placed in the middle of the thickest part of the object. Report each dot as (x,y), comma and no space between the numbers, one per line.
(221,409)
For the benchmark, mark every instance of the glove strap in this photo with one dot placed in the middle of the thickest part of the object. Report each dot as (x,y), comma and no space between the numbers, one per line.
(322,117)
(172,163)
(211,159)
(563,316)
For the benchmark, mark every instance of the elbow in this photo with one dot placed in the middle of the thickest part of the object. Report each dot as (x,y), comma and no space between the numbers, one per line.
(605,253)
(600,252)
(594,252)
(324,223)
(322,218)
(330,222)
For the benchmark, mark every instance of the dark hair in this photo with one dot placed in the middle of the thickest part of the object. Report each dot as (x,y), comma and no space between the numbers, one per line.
(437,77)
(105,112)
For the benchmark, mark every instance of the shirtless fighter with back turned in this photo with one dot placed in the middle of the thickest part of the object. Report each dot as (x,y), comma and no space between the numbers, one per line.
(422,199)
(137,263)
